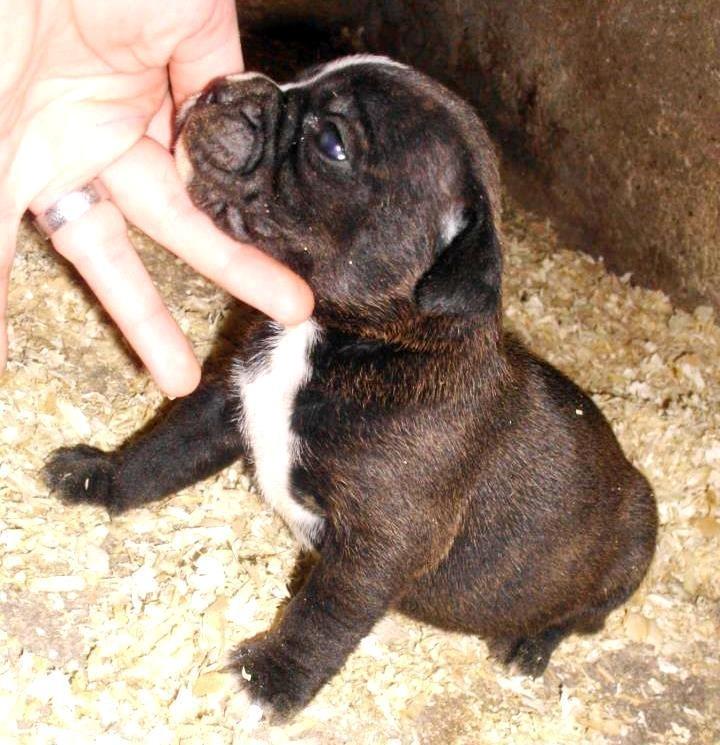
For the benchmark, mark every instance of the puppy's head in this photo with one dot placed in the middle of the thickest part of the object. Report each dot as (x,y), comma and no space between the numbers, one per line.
(373,182)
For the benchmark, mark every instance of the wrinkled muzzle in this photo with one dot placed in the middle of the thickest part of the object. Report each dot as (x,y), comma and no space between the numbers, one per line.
(227,128)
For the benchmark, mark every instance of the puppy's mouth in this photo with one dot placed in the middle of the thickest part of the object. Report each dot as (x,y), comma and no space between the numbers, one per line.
(228,218)
(209,195)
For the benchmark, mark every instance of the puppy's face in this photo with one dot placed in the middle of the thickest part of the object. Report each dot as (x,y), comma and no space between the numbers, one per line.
(373,182)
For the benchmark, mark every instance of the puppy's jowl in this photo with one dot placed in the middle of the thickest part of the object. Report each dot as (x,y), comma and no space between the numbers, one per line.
(433,464)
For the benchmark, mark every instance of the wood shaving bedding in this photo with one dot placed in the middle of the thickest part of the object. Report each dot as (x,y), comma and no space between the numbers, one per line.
(118,631)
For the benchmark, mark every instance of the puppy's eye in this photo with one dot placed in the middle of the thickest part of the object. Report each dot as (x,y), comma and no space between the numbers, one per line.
(330,142)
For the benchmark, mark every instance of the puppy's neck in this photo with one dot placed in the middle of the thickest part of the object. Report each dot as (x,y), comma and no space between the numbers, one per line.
(404,328)
(414,360)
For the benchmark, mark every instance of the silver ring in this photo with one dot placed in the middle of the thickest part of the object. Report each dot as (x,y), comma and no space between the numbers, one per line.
(71,206)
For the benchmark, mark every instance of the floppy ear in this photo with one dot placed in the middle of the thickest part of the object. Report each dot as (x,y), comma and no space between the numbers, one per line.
(465,278)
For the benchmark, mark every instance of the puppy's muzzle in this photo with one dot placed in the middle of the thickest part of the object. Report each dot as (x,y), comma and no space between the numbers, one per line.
(231,122)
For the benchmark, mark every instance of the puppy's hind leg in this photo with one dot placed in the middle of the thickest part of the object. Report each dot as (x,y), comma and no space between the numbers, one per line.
(530,654)
(196,438)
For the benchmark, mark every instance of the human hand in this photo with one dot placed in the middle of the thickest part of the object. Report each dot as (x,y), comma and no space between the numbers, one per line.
(89,89)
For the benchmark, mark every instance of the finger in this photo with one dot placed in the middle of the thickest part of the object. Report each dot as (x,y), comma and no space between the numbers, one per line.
(212,51)
(8,237)
(161,125)
(145,185)
(98,246)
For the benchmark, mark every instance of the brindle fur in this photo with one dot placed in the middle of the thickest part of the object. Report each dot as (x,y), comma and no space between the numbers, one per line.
(462,480)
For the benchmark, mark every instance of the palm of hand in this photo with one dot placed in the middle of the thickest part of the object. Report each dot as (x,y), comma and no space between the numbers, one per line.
(102,85)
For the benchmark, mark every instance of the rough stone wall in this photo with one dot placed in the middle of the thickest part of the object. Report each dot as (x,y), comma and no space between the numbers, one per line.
(607,114)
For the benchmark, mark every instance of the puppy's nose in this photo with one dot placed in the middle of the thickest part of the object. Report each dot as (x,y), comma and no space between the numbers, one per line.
(234,122)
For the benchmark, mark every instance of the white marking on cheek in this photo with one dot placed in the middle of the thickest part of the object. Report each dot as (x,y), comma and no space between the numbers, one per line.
(268,388)
(182,162)
(342,64)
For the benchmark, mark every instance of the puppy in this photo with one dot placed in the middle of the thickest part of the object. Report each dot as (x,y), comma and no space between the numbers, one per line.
(433,464)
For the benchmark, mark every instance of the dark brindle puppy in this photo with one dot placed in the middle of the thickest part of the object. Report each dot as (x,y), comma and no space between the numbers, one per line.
(435,466)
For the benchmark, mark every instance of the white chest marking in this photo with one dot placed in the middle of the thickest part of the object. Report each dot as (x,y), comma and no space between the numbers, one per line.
(268,387)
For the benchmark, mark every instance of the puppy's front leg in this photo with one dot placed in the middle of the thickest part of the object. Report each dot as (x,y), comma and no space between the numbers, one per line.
(348,591)
(196,438)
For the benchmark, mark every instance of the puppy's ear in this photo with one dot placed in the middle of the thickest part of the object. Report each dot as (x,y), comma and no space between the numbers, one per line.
(465,277)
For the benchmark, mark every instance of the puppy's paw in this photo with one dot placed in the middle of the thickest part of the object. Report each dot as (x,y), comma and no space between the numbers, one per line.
(530,655)
(272,679)
(82,474)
